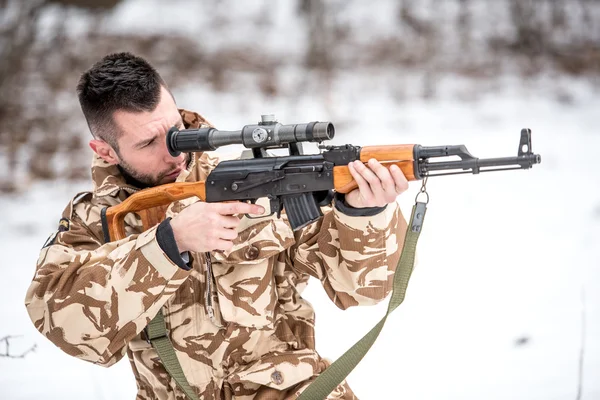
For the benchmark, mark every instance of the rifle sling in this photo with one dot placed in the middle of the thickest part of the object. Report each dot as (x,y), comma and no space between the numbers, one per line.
(156,332)
(337,372)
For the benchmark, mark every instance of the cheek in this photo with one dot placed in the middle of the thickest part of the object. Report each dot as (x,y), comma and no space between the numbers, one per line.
(147,163)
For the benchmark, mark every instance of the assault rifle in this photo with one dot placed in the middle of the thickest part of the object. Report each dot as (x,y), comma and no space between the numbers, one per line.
(299,183)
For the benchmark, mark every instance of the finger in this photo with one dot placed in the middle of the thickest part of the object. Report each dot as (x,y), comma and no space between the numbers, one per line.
(221,244)
(228,221)
(385,177)
(226,234)
(400,181)
(238,208)
(367,174)
(374,182)
(363,185)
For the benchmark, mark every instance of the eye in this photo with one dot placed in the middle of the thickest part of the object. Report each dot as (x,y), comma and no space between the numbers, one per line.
(150,143)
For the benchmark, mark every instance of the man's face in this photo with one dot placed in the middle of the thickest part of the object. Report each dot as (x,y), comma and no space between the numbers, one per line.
(143,152)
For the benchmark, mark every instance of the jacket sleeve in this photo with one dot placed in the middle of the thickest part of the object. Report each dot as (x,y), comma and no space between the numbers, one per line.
(90,299)
(354,257)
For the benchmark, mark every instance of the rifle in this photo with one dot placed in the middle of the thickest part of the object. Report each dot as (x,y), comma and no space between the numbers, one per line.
(299,183)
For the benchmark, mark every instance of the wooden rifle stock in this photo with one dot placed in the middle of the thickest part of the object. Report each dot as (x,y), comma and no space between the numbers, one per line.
(150,204)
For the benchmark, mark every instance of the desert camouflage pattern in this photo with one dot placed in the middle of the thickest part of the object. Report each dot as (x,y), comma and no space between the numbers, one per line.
(256,341)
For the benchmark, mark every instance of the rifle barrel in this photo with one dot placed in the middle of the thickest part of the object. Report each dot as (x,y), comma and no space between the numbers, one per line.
(475,164)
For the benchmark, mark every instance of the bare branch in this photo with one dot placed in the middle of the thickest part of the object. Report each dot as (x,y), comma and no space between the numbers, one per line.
(6,352)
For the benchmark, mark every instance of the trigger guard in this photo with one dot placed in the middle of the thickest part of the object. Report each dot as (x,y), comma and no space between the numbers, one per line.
(258,217)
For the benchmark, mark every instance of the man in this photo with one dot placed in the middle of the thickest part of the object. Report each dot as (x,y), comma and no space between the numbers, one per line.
(228,286)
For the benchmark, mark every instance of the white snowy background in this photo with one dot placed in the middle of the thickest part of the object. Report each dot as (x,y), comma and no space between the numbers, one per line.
(505,300)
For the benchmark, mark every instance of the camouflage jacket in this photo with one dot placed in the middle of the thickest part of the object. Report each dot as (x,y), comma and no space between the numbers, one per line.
(93,299)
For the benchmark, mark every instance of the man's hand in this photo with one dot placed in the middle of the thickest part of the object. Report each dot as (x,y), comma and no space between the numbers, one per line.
(377,186)
(204,227)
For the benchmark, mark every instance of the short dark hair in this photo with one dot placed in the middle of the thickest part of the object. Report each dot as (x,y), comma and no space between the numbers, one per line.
(120,81)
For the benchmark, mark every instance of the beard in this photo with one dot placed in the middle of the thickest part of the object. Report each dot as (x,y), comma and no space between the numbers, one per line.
(142,180)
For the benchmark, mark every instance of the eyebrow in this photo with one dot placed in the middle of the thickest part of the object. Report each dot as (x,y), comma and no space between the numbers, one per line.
(144,142)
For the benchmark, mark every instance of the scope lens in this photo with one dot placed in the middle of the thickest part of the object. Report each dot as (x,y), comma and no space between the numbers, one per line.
(171,138)
(330,131)
(323,131)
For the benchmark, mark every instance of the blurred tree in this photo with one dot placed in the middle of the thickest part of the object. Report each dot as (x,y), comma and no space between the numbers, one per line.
(41,128)
(319,53)
(94,5)
(31,79)
(464,24)
(46,44)
(527,21)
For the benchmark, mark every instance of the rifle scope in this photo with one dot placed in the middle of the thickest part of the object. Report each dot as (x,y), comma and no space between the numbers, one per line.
(266,134)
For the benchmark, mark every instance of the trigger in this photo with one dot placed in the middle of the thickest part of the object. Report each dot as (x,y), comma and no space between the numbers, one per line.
(250,201)
(255,216)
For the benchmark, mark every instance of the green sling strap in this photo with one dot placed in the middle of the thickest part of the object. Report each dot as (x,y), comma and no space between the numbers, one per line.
(337,372)
(156,332)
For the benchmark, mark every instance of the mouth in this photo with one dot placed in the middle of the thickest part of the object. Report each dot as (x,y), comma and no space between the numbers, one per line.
(174,174)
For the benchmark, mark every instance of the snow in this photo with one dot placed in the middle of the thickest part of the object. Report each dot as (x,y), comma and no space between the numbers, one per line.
(504,258)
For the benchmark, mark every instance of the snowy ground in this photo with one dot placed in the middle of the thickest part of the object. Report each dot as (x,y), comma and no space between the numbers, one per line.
(503,256)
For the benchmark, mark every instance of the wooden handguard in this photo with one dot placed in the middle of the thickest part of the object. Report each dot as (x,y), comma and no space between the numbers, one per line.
(401,155)
(150,203)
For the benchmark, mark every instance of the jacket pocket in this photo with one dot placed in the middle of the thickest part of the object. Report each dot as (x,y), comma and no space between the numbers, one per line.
(244,277)
(278,370)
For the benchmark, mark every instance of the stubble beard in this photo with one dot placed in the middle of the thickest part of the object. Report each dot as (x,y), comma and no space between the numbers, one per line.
(148,179)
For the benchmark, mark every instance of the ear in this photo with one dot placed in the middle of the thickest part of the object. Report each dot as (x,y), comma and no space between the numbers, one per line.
(105,151)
